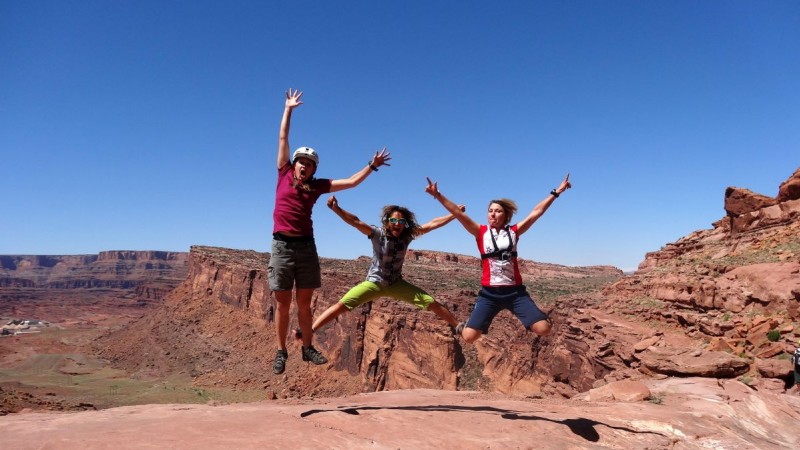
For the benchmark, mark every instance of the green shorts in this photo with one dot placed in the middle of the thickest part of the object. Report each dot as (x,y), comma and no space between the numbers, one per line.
(368,291)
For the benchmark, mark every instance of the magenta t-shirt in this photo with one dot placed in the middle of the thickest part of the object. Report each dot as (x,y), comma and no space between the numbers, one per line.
(293,205)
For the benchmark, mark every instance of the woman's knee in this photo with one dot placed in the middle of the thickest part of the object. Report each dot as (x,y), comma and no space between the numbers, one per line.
(471,335)
(283,299)
(542,327)
(303,298)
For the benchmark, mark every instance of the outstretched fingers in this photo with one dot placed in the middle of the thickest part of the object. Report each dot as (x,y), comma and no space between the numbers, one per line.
(293,98)
(381,158)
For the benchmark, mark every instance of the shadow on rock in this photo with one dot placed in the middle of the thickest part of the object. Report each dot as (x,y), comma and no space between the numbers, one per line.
(582,427)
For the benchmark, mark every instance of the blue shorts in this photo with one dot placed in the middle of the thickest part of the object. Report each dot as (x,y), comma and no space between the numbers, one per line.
(294,263)
(492,300)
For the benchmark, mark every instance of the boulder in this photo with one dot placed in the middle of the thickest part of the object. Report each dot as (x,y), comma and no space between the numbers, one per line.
(774,368)
(682,362)
(740,201)
(790,189)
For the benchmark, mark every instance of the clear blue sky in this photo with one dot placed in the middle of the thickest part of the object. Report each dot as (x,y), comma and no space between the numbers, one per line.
(153,125)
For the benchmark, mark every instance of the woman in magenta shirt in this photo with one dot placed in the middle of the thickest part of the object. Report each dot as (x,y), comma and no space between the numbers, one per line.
(294,263)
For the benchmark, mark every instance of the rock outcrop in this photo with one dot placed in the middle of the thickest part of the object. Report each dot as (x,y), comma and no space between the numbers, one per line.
(687,413)
(735,287)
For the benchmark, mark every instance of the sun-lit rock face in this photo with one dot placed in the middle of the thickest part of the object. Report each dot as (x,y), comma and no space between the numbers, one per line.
(735,287)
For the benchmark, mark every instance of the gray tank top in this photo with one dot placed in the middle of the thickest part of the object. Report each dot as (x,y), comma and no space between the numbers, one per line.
(388,254)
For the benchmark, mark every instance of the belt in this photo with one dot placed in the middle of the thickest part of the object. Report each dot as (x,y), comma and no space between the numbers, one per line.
(284,238)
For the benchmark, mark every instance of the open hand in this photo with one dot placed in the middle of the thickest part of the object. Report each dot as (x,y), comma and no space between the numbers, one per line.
(293,98)
(380,158)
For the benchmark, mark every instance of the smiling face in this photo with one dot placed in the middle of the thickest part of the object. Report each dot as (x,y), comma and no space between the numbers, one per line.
(304,169)
(496,216)
(396,223)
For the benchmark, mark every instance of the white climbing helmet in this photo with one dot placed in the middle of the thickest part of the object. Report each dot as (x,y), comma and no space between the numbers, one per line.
(306,152)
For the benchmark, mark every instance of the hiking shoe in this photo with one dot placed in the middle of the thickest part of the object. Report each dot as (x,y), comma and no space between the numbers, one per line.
(459,328)
(280,362)
(313,355)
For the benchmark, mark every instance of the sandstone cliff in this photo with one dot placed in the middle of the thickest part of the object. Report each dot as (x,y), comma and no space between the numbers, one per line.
(109,269)
(34,285)
(735,287)
(219,326)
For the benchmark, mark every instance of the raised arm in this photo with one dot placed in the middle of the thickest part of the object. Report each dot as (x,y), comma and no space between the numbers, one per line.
(378,160)
(470,225)
(526,223)
(292,102)
(348,217)
(437,222)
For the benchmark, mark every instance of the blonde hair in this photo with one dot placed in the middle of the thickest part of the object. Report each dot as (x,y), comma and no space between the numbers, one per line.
(509,208)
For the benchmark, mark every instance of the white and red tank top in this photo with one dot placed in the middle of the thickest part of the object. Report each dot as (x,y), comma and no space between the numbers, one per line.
(496,271)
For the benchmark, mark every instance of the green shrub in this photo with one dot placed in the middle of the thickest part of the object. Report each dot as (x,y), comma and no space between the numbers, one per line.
(773,335)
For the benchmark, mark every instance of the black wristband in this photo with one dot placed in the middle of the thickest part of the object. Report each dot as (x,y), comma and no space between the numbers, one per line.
(374,169)
(554,193)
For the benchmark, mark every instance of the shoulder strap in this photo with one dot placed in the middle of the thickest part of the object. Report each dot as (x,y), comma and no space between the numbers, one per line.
(497,253)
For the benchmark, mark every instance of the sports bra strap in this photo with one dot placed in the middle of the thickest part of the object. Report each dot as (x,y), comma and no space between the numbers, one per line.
(503,255)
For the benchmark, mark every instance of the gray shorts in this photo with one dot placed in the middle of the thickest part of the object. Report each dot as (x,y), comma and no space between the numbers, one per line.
(294,263)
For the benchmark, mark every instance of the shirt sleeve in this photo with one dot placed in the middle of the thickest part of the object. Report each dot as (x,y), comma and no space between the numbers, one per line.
(323,185)
(375,233)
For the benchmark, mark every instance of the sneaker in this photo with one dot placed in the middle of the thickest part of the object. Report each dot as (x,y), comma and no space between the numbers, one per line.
(459,328)
(313,355)
(280,361)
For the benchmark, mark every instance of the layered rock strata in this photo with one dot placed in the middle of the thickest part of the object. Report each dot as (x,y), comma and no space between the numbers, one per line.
(735,287)
(219,327)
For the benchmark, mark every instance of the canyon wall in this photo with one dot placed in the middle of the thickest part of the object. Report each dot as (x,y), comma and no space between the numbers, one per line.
(219,325)
(54,287)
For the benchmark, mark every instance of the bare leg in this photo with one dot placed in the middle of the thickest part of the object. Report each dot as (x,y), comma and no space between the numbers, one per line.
(443,313)
(284,302)
(304,315)
(331,313)
(542,327)
(471,334)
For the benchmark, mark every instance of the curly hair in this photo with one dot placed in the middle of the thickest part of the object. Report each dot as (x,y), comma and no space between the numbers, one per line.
(509,207)
(412,227)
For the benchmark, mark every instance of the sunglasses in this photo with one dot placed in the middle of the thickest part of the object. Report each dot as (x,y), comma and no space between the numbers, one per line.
(392,220)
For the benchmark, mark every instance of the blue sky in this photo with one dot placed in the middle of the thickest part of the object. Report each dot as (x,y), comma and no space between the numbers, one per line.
(152,125)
